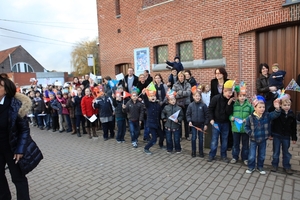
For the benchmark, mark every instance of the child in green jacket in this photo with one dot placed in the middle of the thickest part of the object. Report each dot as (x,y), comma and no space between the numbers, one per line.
(242,108)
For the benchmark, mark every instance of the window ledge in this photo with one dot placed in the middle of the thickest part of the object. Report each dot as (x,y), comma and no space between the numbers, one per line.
(290,3)
(195,64)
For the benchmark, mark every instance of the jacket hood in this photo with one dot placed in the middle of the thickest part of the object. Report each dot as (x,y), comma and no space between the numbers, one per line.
(26,104)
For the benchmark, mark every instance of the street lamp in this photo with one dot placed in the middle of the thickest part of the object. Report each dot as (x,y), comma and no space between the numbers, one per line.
(91,62)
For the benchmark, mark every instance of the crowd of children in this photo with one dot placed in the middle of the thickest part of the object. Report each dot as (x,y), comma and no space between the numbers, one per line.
(165,112)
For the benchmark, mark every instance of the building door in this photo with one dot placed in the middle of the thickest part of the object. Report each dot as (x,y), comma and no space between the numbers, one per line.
(122,68)
(282,46)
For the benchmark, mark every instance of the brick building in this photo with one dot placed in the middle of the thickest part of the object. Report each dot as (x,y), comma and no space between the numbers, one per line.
(204,33)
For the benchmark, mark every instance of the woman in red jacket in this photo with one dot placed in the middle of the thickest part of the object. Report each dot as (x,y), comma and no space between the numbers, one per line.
(88,111)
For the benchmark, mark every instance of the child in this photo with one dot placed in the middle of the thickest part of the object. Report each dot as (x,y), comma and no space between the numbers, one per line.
(220,108)
(55,106)
(78,112)
(106,114)
(134,110)
(88,111)
(39,108)
(120,116)
(197,117)
(65,111)
(153,117)
(276,78)
(177,65)
(283,129)
(60,115)
(205,94)
(172,78)
(257,127)
(172,127)
(242,108)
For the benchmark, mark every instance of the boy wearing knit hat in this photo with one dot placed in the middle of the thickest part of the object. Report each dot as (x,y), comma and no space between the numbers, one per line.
(257,127)
(219,109)
(242,108)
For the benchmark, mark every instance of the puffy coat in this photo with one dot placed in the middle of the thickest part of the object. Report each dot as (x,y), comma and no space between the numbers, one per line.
(19,134)
(183,93)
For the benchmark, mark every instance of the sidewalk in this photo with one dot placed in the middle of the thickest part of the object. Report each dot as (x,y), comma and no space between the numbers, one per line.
(82,168)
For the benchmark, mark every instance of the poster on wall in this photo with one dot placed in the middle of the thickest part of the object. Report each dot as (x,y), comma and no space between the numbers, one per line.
(141,60)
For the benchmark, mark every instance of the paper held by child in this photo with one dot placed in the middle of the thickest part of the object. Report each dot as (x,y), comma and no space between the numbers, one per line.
(174,116)
(92,118)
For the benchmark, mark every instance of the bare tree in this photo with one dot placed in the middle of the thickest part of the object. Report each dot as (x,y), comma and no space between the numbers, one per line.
(79,57)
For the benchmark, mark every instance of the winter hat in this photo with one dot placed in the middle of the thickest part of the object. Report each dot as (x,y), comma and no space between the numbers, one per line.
(176,57)
(228,85)
(256,99)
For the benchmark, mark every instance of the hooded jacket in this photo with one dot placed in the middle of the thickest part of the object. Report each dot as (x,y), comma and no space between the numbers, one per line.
(19,133)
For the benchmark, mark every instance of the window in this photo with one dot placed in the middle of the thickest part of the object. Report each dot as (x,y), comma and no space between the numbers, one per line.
(185,51)
(22,67)
(213,48)
(290,2)
(118,10)
(161,54)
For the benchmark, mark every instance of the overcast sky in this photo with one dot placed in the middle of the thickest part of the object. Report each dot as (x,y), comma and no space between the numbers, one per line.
(47,29)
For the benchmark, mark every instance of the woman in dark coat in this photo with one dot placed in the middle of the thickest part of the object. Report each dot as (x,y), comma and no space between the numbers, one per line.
(262,85)
(14,139)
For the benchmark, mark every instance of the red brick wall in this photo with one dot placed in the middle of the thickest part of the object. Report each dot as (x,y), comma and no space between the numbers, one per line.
(177,21)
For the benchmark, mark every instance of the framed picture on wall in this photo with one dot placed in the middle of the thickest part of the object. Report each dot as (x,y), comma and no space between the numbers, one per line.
(141,60)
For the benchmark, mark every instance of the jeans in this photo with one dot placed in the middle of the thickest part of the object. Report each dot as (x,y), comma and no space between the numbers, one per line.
(134,130)
(224,130)
(20,180)
(48,121)
(67,120)
(80,119)
(261,154)
(146,131)
(176,138)
(108,126)
(152,142)
(284,142)
(236,146)
(196,134)
(121,124)
(40,120)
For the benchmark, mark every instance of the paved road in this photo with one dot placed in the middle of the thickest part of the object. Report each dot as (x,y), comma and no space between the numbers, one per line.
(81,168)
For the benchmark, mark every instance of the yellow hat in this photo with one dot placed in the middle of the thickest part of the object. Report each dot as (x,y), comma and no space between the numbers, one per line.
(229,84)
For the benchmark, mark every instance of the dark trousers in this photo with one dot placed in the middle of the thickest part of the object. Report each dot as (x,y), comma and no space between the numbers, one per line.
(153,132)
(20,180)
(55,125)
(108,126)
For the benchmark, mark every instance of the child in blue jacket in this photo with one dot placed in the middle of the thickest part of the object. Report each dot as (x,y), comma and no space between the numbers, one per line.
(257,127)
(153,117)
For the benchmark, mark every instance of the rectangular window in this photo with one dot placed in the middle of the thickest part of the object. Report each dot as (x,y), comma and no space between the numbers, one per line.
(118,10)
(161,54)
(149,3)
(185,51)
(213,48)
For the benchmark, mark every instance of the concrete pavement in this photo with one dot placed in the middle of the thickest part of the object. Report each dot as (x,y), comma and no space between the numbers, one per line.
(82,168)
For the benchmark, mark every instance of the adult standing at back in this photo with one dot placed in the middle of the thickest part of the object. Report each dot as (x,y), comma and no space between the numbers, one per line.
(217,83)
(129,80)
(176,64)
(183,91)
(262,85)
